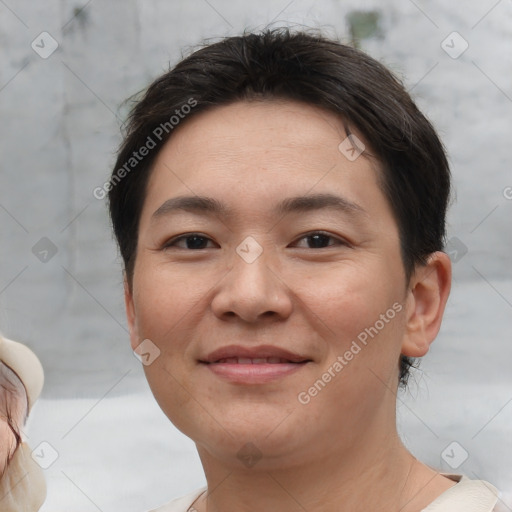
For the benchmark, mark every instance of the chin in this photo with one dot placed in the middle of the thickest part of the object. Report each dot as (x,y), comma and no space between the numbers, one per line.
(253,453)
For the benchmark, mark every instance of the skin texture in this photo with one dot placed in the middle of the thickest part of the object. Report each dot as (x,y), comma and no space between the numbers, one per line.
(335,452)
(13,406)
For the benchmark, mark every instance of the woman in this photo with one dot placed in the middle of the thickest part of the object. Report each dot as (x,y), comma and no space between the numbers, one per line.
(22,484)
(279,202)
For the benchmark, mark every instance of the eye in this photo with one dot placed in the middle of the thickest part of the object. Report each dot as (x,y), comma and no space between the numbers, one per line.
(192,241)
(320,240)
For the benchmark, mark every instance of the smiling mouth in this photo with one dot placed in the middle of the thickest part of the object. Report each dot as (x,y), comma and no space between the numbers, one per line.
(260,354)
(255,360)
(243,370)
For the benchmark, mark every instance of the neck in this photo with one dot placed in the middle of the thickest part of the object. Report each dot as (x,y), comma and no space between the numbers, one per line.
(367,476)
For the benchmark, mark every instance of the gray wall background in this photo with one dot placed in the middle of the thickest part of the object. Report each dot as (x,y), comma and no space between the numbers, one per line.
(60,275)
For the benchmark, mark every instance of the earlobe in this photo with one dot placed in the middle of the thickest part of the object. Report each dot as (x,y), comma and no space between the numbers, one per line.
(428,293)
(130,314)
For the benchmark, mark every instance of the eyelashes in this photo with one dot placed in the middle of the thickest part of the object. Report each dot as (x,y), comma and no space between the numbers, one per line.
(319,237)
(199,241)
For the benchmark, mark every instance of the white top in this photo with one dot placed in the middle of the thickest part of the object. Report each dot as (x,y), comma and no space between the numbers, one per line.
(467,496)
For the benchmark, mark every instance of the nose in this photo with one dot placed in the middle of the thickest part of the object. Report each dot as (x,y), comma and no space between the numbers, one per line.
(252,291)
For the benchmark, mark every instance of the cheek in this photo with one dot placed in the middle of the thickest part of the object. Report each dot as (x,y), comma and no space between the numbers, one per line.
(166,298)
(360,314)
(350,298)
(165,378)
(169,305)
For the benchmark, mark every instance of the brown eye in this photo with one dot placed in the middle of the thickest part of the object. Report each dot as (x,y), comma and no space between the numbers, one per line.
(320,240)
(192,241)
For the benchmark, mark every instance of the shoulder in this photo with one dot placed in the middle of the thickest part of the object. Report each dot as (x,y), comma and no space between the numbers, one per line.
(466,496)
(181,504)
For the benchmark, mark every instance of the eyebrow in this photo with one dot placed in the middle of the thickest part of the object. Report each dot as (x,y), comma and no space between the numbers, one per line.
(208,205)
(318,202)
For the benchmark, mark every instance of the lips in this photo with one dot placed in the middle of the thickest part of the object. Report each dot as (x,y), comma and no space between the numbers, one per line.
(255,360)
(256,365)
(263,354)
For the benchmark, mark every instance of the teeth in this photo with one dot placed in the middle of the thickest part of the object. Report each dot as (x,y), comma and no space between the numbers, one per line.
(256,360)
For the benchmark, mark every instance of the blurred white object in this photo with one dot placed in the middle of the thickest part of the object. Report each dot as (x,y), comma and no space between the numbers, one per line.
(22,361)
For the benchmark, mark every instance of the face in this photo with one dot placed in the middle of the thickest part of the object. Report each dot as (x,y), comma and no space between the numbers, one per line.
(269,281)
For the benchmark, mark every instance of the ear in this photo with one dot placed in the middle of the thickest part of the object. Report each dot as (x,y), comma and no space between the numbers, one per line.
(429,288)
(130,314)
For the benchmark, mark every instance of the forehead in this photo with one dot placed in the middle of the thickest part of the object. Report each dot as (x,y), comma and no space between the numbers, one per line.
(257,127)
(260,152)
